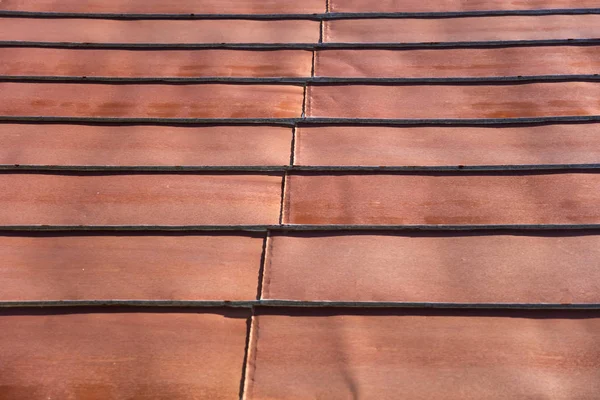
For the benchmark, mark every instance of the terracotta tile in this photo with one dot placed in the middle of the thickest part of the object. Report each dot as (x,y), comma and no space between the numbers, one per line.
(134,354)
(165,199)
(154,63)
(377,355)
(155,267)
(168,7)
(463,63)
(445,268)
(455,102)
(158,31)
(439,146)
(463,29)
(144,145)
(454,5)
(150,101)
(563,198)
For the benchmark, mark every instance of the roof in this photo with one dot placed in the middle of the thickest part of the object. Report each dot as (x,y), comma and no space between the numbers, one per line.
(298,200)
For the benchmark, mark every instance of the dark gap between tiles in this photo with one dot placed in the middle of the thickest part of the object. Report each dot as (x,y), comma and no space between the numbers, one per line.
(124,234)
(291,122)
(305,46)
(261,269)
(328,15)
(247,345)
(226,312)
(303,81)
(137,172)
(297,228)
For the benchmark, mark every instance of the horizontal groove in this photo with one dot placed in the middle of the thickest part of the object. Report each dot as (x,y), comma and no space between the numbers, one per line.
(300,80)
(304,46)
(313,17)
(296,228)
(304,121)
(299,168)
(297,304)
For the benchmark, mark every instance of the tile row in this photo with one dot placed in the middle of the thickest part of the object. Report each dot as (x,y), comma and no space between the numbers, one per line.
(366,63)
(387,355)
(162,7)
(187,354)
(282,6)
(559,267)
(369,101)
(365,6)
(497,28)
(140,145)
(247,199)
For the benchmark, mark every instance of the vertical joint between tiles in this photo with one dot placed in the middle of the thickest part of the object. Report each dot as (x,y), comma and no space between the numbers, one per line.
(250,357)
(245,361)
(321,28)
(283,198)
(262,267)
(293,147)
(327,6)
(303,115)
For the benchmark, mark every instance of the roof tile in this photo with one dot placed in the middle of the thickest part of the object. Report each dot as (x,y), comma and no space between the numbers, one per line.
(165,199)
(388,199)
(167,7)
(458,63)
(462,29)
(154,63)
(103,354)
(154,267)
(379,355)
(150,101)
(446,146)
(455,5)
(455,101)
(139,145)
(557,268)
(157,31)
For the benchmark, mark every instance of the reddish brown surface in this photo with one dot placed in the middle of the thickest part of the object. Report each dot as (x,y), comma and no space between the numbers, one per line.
(164,199)
(144,145)
(71,267)
(150,101)
(463,29)
(138,354)
(563,198)
(446,268)
(167,7)
(158,31)
(464,63)
(154,63)
(439,146)
(455,102)
(454,5)
(378,355)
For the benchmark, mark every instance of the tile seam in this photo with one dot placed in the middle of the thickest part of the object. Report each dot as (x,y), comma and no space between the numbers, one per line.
(282,199)
(307,46)
(315,16)
(267,270)
(263,270)
(13,229)
(293,148)
(290,122)
(246,352)
(252,356)
(302,81)
(287,303)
